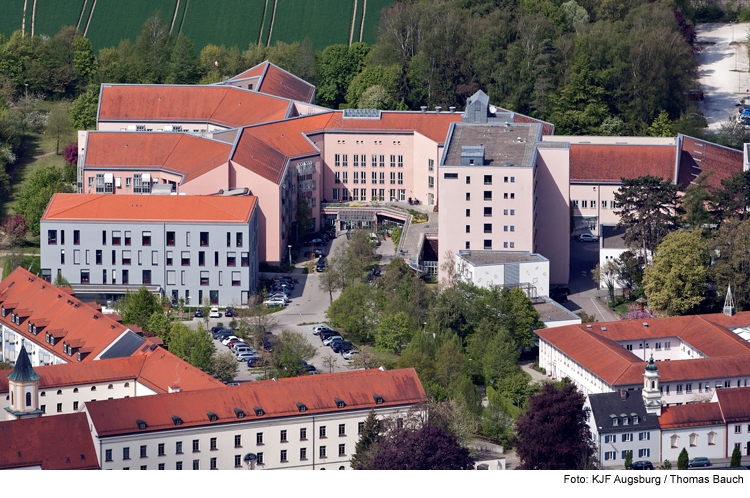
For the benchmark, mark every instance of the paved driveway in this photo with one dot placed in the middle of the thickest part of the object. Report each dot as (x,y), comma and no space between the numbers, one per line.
(585,296)
(723,69)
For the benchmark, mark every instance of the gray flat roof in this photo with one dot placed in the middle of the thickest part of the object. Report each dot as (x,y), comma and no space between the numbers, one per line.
(480,258)
(550,311)
(613,238)
(500,143)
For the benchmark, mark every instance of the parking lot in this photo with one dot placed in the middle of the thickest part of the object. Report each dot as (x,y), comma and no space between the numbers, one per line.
(308,305)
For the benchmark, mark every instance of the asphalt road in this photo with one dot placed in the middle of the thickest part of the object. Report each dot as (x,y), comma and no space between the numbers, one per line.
(585,296)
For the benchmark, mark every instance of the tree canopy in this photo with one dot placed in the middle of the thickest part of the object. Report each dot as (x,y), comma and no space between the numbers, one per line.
(427,448)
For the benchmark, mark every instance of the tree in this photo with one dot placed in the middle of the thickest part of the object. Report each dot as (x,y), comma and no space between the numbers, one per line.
(666,465)
(84,108)
(552,434)
(648,211)
(354,311)
(427,448)
(205,308)
(137,308)
(70,153)
(367,444)
(575,15)
(375,97)
(696,201)
(628,460)
(731,260)
(224,366)
(329,280)
(736,457)
(578,108)
(683,460)
(676,283)
(662,126)
(183,63)
(192,345)
(330,362)
(606,276)
(36,193)
(153,48)
(254,321)
(58,126)
(84,60)
(733,198)
(15,227)
(636,313)
(629,270)
(393,333)
(304,218)
(60,281)
(288,355)
(159,325)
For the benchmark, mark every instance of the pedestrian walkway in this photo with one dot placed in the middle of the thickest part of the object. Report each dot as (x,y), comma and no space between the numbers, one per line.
(413,235)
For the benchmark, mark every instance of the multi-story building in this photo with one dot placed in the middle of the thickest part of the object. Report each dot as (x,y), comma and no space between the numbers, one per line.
(55,327)
(310,422)
(190,247)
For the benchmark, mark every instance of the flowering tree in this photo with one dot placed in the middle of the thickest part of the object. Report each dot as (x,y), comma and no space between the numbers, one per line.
(636,313)
(70,153)
(15,227)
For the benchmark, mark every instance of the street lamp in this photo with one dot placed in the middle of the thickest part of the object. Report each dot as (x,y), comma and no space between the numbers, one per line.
(290,254)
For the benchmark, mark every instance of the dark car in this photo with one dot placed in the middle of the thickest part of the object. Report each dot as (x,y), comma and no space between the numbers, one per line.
(229,311)
(642,465)
(321,265)
(198,314)
(340,346)
(316,253)
(307,368)
(326,334)
(222,333)
(699,462)
(215,329)
(256,361)
(560,297)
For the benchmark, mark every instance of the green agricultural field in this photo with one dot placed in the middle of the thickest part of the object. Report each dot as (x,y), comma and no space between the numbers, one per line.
(51,15)
(129,17)
(85,15)
(223,22)
(181,4)
(358,20)
(325,21)
(11,15)
(266,21)
(372,18)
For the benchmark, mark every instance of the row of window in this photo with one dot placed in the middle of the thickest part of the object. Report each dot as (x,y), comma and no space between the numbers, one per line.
(487,178)
(675,439)
(127,258)
(488,243)
(592,204)
(488,228)
(339,177)
(361,194)
(141,183)
(612,455)
(340,160)
(488,196)
(488,212)
(642,436)
(213,462)
(145,238)
(626,420)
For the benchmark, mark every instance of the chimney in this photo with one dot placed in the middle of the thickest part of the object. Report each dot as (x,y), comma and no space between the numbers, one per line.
(438,109)
(424,108)
(452,109)
(175,388)
(623,394)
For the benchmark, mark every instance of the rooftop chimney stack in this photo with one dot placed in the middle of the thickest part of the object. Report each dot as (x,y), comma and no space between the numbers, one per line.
(438,109)
(424,108)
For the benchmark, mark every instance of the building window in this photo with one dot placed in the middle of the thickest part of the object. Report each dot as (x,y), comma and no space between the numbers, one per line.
(213,444)
(51,237)
(84,276)
(146,238)
(711,439)
(393,178)
(303,453)
(575,202)
(342,429)
(604,204)
(62,256)
(693,439)
(487,244)
(322,452)
(196,464)
(468,213)
(488,211)
(185,258)
(170,238)
(178,466)
(431,182)
(146,276)
(161,449)
(488,179)
(204,278)
(178,448)
(143,451)
(738,429)
(196,445)
(674,440)
(303,434)
(487,195)
(584,204)
(126,453)
(282,457)
(322,431)
(342,450)
(76,237)
(75,406)
(108,455)
(237,461)
(125,276)
(282,436)
(259,438)
(231,259)
(204,239)
(260,458)
(430,165)
(488,228)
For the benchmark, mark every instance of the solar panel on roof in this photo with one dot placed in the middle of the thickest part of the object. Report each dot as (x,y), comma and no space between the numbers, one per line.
(361,114)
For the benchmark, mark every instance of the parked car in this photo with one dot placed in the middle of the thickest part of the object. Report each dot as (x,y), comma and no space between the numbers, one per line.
(349,355)
(560,297)
(238,347)
(321,265)
(317,242)
(328,333)
(226,340)
(329,340)
(232,342)
(255,361)
(307,368)
(321,328)
(229,311)
(316,253)
(275,302)
(221,332)
(339,347)
(699,462)
(214,313)
(279,295)
(642,465)
(587,237)
(695,95)
(198,314)
(245,356)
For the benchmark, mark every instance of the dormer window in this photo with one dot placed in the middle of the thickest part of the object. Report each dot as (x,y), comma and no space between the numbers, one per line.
(212,416)
(615,422)
(46,337)
(625,420)
(75,390)
(29,327)
(378,399)
(2,311)
(258,411)
(301,407)
(239,413)
(635,419)
(141,424)
(34,331)
(339,403)
(12,316)
(176,420)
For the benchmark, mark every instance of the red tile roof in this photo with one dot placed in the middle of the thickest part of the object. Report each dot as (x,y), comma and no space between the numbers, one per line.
(596,349)
(62,442)
(734,403)
(692,415)
(254,71)
(276,81)
(609,163)
(430,124)
(547,128)
(151,208)
(277,399)
(224,105)
(698,156)
(63,314)
(178,153)
(156,369)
